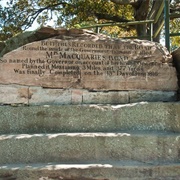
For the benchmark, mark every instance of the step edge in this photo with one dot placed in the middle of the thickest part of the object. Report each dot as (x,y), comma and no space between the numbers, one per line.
(85,165)
(91,134)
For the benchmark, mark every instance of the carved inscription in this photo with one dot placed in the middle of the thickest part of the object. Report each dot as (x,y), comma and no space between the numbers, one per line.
(57,61)
(74,58)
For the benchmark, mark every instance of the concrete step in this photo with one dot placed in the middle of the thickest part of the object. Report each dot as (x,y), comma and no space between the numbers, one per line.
(77,147)
(90,118)
(94,171)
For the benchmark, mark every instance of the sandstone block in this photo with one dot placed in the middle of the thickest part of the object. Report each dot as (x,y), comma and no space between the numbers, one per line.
(77,96)
(41,96)
(111,97)
(13,94)
(152,96)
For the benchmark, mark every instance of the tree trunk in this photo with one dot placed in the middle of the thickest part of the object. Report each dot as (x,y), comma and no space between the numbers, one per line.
(141,12)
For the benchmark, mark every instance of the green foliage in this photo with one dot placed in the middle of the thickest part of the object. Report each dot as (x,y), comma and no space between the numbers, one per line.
(87,13)
(175,26)
(18,15)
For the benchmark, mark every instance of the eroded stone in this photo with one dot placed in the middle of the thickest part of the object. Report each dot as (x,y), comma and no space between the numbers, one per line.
(13,94)
(152,96)
(121,97)
(82,60)
(40,96)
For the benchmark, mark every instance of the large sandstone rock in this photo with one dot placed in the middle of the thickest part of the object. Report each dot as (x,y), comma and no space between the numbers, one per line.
(26,37)
(84,60)
(176,59)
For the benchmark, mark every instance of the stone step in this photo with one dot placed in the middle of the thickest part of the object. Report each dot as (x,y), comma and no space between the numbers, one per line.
(90,118)
(77,147)
(92,171)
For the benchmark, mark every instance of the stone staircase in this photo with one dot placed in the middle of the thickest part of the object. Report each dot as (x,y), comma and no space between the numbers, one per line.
(139,141)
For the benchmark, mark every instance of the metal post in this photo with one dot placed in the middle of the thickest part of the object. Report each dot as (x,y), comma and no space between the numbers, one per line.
(166,20)
(151,31)
(97,29)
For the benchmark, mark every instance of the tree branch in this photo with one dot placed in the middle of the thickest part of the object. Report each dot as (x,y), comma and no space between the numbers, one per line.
(111,18)
(39,11)
(125,2)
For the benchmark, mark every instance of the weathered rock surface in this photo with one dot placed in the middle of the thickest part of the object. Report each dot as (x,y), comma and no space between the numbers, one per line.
(83,60)
(176,59)
(158,116)
(92,171)
(25,38)
(15,94)
(87,147)
(139,141)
